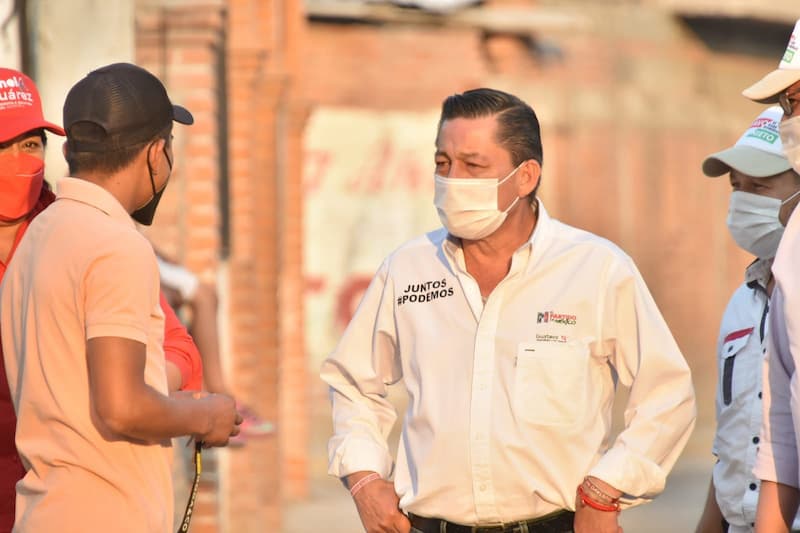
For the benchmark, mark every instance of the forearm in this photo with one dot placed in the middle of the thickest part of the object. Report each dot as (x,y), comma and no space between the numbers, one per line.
(127,405)
(351,479)
(206,337)
(153,416)
(711,519)
(777,507)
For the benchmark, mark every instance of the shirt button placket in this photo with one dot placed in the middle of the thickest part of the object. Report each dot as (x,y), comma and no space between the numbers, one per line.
(483,365)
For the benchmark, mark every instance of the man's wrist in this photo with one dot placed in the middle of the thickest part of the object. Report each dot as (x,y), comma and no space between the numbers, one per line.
(600,488)
(363,481)
(351,479)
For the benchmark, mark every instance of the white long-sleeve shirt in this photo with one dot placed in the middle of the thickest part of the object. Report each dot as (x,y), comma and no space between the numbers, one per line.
(509,401)
(777,458)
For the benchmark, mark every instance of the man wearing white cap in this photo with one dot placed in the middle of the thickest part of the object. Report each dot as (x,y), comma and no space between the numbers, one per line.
(765,188)
(777,461)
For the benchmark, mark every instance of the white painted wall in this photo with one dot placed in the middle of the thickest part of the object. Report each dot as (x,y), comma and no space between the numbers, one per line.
(71,38)
(9,35)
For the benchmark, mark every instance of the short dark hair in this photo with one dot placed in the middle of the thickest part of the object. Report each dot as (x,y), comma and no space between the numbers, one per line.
(517,125)
(107,161)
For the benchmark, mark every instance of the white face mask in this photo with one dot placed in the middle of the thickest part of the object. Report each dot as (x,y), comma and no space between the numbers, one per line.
(790,137)
(754,224)
(467,207)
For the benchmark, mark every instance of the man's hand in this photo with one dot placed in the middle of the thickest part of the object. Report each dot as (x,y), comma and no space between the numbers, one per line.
(223,420)
(378,506)
(588,520)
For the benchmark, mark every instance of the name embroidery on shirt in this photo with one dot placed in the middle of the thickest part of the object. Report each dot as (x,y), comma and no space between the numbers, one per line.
(547,317)
(426,291)
(550,338)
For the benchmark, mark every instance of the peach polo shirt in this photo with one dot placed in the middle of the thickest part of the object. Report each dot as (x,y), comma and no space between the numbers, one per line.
(82,271)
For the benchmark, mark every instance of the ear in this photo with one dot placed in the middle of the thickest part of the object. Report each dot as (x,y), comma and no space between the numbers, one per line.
(64,149)
(155,151)
(529,174)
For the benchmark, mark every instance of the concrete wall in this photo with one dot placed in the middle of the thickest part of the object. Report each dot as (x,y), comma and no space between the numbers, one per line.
(70,39)
(9,35)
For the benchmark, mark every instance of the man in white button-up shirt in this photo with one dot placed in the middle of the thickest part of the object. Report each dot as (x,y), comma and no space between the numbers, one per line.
(510,332)
(762,180)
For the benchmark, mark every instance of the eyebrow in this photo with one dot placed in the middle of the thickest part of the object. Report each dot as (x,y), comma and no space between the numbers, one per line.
(462,155)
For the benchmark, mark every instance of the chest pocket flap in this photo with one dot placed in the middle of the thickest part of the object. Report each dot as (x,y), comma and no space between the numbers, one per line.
(731,345)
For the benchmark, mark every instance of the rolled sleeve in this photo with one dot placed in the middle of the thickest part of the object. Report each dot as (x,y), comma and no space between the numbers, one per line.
(180,349)
(358,372)
(661,411)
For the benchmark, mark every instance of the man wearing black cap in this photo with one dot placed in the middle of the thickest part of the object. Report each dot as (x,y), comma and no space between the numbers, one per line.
(83,329)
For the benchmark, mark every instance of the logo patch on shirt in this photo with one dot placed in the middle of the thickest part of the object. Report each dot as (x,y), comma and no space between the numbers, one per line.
(427,291)
(548,317)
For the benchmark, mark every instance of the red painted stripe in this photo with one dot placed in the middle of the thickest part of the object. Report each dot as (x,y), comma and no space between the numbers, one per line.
(737,334)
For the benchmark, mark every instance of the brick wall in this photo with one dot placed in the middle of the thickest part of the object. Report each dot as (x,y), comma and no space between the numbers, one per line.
(234,66)
(183,45)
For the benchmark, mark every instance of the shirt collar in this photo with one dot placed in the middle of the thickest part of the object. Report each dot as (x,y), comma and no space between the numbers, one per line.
(759,271)
(94,195)
(452,245)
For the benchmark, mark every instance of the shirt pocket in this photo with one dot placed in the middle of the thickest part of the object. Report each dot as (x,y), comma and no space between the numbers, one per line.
(731,346)
(550,382)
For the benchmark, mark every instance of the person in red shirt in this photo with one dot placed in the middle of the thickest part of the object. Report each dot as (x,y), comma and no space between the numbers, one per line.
(24,195)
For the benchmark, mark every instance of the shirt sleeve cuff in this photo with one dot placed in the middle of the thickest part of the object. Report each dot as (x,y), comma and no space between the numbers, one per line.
(639,480)
(359,454)
(116,330)
(777,463)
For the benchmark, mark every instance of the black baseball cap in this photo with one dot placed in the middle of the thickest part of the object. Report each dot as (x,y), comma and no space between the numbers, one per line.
(128,105)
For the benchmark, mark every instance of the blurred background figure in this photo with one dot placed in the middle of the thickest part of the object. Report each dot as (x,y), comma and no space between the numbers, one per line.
(186,293)
(765,192)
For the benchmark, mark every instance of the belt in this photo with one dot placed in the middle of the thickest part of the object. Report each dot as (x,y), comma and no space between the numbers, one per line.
(558,522)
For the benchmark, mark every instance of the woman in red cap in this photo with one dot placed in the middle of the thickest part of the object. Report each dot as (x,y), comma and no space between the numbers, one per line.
(24,194)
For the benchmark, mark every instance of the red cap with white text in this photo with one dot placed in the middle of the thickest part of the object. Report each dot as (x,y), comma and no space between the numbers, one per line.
(20,106)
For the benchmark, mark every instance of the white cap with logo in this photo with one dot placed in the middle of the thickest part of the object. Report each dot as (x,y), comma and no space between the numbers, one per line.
(768,88)
(757,153)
